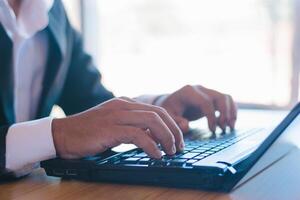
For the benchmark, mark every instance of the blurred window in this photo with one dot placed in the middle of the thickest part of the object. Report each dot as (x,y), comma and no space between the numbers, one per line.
(241,47)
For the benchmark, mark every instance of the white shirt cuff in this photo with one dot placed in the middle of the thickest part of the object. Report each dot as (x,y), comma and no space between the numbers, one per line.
(28,143)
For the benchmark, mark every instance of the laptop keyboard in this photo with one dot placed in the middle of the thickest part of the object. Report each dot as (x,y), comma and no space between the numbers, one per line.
(195,150)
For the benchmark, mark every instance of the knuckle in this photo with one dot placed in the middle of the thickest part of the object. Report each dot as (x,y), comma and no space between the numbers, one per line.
(160,110)
(127,99)
(208,99)
(115,102)
(120,100)
(123,98)
(188,87)
(152,116)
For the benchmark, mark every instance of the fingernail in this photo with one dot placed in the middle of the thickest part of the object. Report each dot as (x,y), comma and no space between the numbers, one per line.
(183,125)
(158,153)
(223,127)
(173,149)
(181,146)
(232,125)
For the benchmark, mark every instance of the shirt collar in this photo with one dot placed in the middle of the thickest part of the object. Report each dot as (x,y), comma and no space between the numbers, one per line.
(33,17)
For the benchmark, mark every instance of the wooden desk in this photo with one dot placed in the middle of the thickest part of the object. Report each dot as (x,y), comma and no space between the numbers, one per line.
(280,181)
(39,186)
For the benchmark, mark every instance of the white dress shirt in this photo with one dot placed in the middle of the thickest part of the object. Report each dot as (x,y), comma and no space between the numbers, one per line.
(28,142)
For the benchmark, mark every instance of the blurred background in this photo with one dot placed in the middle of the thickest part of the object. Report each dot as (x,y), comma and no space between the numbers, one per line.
(247,48)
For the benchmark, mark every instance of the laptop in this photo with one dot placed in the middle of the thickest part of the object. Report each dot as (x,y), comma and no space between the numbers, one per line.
(216,163)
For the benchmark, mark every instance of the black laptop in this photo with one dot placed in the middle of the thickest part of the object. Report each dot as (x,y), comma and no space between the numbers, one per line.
(215,163)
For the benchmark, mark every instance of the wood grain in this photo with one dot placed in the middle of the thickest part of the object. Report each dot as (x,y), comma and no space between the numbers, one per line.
(40,186)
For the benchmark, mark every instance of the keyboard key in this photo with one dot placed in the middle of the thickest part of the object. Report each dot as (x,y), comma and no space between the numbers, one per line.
(214,143)
(209,152)
(198,150)
(178,162)
(209,146)
(193,145)
(188,148)
(190,162)
(235,140)
(230,143)
(172,156)
(189,155)
(203,148)
(218,148)
(128,155)
(224,145)
(117,162)
(144,160)
(159,163)
(141,155)
(130,160)
(199,157)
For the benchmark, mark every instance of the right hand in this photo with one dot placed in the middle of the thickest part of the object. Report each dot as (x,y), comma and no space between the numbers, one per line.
(115,122)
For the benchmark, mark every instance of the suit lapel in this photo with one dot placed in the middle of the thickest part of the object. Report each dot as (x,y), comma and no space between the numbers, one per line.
(56,56)
(57,27)
(6,76)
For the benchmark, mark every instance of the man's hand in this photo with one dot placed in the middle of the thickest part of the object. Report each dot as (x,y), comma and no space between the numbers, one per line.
(193,102)
(114,122)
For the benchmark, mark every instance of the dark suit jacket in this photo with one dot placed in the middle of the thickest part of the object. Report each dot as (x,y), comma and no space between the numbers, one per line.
(71,80)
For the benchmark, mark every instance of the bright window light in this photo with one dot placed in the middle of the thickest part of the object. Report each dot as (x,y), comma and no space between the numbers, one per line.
(240,47)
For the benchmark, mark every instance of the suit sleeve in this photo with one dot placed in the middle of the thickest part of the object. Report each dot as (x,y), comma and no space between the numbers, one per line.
(83,88)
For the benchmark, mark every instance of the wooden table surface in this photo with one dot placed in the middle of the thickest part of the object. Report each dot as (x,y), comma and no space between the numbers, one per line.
(39,186)
(280,181)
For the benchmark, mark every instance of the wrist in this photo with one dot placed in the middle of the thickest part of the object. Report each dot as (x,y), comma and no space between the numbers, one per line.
(158,101)
(58,136)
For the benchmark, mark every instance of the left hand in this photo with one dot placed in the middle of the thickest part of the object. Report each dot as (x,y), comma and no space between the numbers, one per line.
(194,102)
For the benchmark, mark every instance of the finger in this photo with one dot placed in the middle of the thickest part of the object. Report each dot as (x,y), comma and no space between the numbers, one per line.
(129,104)
(224,104)
(233,112)
(221,105)
(182,123)
(227,110)
(149,120)
(167,119)
(141,139)
(201,100)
